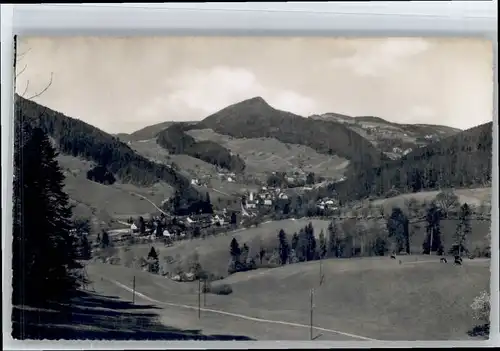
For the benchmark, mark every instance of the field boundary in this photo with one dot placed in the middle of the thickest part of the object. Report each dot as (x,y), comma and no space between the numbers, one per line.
(235,315)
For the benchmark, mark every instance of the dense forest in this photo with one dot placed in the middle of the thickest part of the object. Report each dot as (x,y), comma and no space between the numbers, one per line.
(176,141)
(462,160)
(77,138)
(254,118)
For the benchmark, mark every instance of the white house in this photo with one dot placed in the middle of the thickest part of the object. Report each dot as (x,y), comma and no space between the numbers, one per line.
(189,220)
(216,219)
(166,233)
(250,205)
(268,202)
(230,180)
(250,196)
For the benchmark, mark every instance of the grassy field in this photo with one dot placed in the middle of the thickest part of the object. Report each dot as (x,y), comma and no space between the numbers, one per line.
(265,155)
(103,315)
(375,298)
(221,192)
(115,200)
(469,196)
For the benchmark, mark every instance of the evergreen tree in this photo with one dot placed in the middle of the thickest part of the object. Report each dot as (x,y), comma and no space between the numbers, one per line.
(245,250)
(105,239)
(432,241)
(234,222)
(463,229)
(142,225)
(234,249)
(311,242)
(283,247)
(398,228)
(154,264)
(333,248)
(208,204)
(44,262)
(262,252)
(302,246)
(295,241)
(323,249)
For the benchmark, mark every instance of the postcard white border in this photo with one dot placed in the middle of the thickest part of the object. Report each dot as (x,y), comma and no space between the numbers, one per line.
(457,18)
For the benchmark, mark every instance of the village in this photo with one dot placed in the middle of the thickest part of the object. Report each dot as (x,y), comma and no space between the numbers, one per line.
(256,205)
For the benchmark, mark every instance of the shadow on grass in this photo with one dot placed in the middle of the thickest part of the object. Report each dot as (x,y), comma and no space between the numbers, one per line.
(482,331)
(98,317)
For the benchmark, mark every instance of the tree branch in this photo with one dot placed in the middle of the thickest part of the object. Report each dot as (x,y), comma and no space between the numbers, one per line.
(20,56)
(44,90)
(24,69)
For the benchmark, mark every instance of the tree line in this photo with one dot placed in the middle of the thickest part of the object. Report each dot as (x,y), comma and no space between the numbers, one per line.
(350,238)
(462,160)
(77,138)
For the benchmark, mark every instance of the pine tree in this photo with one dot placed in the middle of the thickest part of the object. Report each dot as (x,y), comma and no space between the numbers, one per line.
(302,246)
(234,222)
(284,248)
(323,249)
(398,228)
(311,242)
(433,229)
(463,229)
(154,264)
(295,241)
(235,250)
(104,239)
(44,262)
(142,225)
(333,246)
(245,250)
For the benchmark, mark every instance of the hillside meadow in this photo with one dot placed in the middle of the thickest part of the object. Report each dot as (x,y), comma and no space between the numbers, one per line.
(369,297)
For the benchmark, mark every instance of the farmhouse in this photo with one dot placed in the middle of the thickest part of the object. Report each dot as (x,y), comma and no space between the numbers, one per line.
(134,228)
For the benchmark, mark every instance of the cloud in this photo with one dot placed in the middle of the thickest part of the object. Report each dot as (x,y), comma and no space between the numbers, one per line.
(197,93)
(375,58)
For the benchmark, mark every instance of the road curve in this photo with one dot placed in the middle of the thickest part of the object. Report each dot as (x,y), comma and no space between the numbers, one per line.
(240,316)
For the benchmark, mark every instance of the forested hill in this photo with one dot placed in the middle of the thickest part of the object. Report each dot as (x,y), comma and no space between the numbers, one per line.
(254,118)
(77,138)
(176,141)
(462,160)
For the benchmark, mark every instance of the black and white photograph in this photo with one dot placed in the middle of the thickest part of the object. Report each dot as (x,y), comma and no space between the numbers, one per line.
(252,188)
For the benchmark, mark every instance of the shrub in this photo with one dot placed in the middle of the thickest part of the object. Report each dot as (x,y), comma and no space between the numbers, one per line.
(481,307)
(223,289)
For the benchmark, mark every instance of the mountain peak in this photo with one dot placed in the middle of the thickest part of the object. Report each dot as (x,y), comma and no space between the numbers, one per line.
(257,100)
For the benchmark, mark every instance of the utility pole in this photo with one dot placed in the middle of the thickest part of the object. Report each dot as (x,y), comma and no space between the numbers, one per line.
(311,317)
(199,298)
(320,271)
(133,291)
(205,293)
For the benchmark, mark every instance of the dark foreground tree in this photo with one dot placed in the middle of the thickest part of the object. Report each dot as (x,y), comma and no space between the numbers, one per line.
(44,263)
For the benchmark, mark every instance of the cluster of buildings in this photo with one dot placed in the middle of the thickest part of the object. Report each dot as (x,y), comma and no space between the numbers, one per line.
(265,196)
(327,204)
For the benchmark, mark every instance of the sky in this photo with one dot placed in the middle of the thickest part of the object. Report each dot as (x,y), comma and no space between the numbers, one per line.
(122,84)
